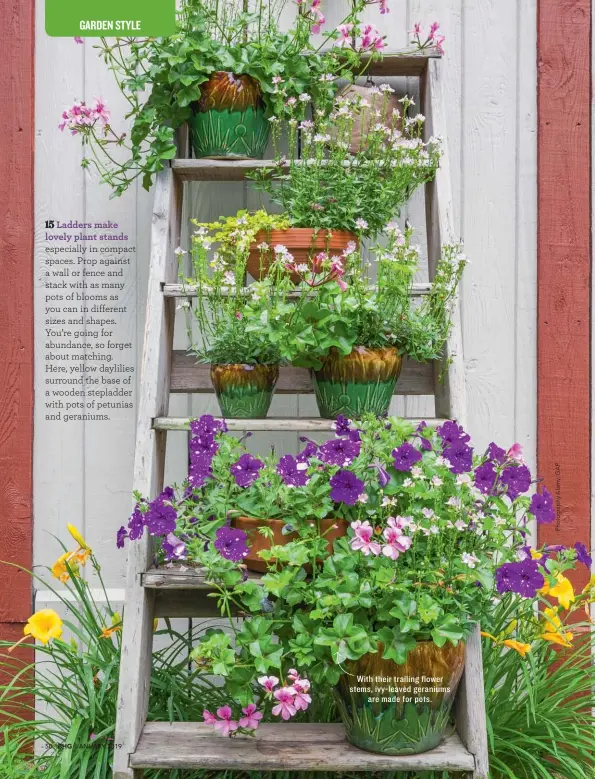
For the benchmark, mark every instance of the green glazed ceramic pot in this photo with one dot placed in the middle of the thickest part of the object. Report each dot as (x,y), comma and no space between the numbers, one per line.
(229,119)
(401,717)
(244,391)
(362,382)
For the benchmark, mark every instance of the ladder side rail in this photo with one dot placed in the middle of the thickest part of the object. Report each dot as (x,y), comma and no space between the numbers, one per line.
(149,460)
(451,401)
(470,713)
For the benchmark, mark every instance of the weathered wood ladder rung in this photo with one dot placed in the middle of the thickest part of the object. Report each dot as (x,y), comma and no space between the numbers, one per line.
(175,593)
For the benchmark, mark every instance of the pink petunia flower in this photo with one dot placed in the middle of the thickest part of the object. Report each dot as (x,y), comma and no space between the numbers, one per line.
(362,539)
(285,708)
(252,717)
(268,682)
(225,725)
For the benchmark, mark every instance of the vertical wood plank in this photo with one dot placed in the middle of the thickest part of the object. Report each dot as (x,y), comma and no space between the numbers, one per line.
(148,470)
(564,268)
(470,712)
(16,314)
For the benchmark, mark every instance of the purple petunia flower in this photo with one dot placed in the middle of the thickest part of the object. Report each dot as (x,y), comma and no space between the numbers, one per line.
(450,432)
(346,487)
(246,470)
(542,507)
(425,443)
(161,517)
(174,548)
(199,472)
(405,457)
(383,476)
(517,479)
(203,445)
(208,424)
(292,471)
(496,454)
(485,478)
(231,543)
(339,451)
(582,555)
(136,524)
(522,578)
(310,450)
(121,536)
(460,456)
(342,425)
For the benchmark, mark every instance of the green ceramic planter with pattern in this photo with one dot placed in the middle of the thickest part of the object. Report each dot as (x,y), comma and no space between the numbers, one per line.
(361,382)
(229,119)
(244,391)
(415,719)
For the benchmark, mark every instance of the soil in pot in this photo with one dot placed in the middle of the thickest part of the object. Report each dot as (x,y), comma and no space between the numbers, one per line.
(329,528)
(229,119)
(301,242)
(359,383)
(417,717)
(244,391)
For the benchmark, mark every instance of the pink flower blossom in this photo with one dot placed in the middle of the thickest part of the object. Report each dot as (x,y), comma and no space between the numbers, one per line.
(285,708)
(210,719)
(225,725)
(344,31)
(302,699)
(384,9)
(78,39)
(252,717)
(81,116)
(362,539)
(433,29)
(371,39)
(416,29)
(396,543)
(438,43)
(101,110)
(268,682)
(516,453)
(293,675)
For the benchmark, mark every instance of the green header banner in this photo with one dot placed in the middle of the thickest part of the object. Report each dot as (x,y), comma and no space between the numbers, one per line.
(110,18)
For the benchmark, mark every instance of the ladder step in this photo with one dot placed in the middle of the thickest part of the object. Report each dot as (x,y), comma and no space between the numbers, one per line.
(191,290)
(188,375)
(289,747)
(180,577)
(270,424)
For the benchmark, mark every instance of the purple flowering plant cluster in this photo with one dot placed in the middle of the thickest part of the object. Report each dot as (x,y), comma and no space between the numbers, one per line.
(437,534)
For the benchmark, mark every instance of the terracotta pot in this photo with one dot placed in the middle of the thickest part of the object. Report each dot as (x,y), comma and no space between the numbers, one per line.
(359,383)
(244,391)
(330,528)
(229,119)
(302,242)
(379,719)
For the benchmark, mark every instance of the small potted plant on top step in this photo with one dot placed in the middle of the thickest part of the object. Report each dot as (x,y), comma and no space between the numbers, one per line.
(332,197)
(355,336)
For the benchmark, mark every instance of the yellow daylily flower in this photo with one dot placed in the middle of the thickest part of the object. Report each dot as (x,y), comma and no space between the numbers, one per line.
(563,591)
(59,569)
(489,635)
(82,555)
(518,646)
(77,536)
(535,555)
(44,625)
(553,629)
(109,632)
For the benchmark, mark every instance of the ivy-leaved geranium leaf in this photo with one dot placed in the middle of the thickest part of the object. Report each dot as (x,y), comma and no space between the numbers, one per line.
(449,629)
(428,609)
(397,645)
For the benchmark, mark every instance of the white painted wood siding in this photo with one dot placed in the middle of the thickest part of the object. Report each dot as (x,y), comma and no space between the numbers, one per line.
(83,471)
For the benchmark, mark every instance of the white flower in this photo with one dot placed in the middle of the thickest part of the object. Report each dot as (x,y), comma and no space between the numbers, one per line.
(434,530)
(436,481)
(407,483)
(363,498)
(182,305)
(453,501)
(417,472)
(460,524)
(327,77)
(469,559)
(463,478)
(440,460)
(263,246)
(305,97)
(428,513)
(385,88)
(179,251)
(280,249)
(201,231)
(361,224)
(321,138)
(229,277)
(302,268)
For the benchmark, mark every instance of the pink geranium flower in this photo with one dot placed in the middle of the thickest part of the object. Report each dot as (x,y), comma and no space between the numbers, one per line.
(302,699)
(225,725)
(78,39)
(210,719)
(285,708)
(516,453)
(344,31)
(251,717)
(396,542)
(293,675)
(362,539)
(268,682)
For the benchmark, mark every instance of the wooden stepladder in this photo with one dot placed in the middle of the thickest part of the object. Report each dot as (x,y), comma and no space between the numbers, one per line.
(164,592)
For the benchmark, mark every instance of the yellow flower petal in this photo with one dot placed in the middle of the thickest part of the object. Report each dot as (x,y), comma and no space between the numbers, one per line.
(109,632)
(535,555)
(44,625)
(59,569)
(558,638)
(155,624)
(563,591)
(83,555)
(77,536)
(518,646)
(489,635)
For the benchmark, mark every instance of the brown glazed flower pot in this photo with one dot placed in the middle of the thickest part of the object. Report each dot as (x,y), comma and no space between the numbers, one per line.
(379,720)
(244,391)
(358,383)
(301,242)
(330,528)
